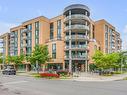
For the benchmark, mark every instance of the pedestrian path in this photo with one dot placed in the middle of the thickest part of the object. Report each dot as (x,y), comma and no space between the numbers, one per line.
(93,77)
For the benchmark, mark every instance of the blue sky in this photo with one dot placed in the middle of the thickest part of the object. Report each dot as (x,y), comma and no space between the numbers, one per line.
(13,12)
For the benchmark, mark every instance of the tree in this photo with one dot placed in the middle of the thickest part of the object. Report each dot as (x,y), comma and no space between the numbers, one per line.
(98,59)
(17,59)
(106,61)
(40,55)
(1,59)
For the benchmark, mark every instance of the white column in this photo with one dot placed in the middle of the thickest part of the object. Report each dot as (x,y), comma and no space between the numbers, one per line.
(70,59)
(86,63)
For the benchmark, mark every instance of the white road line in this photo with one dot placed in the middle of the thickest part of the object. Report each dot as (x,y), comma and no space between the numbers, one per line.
(15,82)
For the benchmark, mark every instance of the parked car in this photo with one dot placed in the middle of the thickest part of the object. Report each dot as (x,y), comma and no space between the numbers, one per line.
(9,70)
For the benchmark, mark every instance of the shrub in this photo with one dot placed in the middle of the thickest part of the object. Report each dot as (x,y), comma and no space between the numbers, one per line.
(49,75)
(62,72)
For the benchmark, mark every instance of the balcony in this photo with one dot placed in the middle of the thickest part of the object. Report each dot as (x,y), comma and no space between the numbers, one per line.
(77,37)
(76,57)
(77,27)
(24,37)
(12,35)
(25,30)
(12,41)
(25,45)
(77,16)
(77,47)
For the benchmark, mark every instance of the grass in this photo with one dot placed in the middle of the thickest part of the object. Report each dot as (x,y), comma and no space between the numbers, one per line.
(35,75)
(125,78)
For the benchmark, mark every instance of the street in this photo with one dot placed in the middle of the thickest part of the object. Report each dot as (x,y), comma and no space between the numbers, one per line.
(22,85)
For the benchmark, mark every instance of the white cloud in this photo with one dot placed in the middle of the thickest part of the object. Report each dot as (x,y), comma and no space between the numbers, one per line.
(5,27)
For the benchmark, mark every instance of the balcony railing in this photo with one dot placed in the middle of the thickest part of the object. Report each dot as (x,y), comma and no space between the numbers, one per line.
(77,37)
(77,16)
(25,30)
(76,57)
(77,47)
(82,27)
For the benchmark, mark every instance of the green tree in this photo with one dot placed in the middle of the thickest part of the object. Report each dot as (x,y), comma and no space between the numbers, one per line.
(39,56)
(1,59)
(98,59)
(15,59)
(106,61)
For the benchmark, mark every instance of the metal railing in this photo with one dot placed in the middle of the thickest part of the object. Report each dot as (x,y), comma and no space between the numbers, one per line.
(77,16)
(85,27)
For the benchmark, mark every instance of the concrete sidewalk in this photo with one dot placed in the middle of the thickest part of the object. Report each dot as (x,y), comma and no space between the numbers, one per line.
(100,78)
(88,77)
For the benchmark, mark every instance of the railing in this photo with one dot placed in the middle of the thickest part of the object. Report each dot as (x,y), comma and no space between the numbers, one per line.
(76,37)
(77,47)
(77,16)
(25,30)
(85,27)
(76,57)
(24,37)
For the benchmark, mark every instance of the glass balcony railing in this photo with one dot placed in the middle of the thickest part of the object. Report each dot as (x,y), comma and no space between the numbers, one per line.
(77,47)
(77,26)
(76,56)
(77,37)
(77,16)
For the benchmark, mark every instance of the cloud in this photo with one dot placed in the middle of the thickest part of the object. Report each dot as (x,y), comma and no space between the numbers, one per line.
(5,27)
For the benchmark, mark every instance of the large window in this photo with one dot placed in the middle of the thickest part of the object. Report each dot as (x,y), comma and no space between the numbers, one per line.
(37,32)
(51,30)
(29,27)
(54,51)
(59,29)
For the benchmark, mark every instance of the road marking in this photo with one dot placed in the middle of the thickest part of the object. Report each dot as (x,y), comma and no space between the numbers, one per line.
(15,82)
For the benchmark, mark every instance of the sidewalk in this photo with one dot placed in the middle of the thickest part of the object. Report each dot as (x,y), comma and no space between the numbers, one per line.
(100,78)
(88,77)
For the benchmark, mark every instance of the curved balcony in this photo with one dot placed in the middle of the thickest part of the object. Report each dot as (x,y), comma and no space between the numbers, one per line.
(24,37)
(77,37)
(77,27)
(76,57)
(77,47)
(77,17)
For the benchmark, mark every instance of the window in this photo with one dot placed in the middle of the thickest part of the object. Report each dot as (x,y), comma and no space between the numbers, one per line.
(54,51)
(59,29)
(29,27)
(29,43)
(37,25)
(51,30)
(29,35)
(36,41)
(37,32)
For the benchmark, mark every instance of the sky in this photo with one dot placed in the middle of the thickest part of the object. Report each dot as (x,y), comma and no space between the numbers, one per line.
(14,12)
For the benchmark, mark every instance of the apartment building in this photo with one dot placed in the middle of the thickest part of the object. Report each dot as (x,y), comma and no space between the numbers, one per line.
(72,38)
(5,44)
(108,37)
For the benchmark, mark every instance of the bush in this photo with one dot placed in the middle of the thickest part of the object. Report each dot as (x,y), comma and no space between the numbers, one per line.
(62,73)
(49,75)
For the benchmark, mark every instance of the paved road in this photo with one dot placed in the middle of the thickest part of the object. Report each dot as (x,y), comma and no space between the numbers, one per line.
(21,85)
